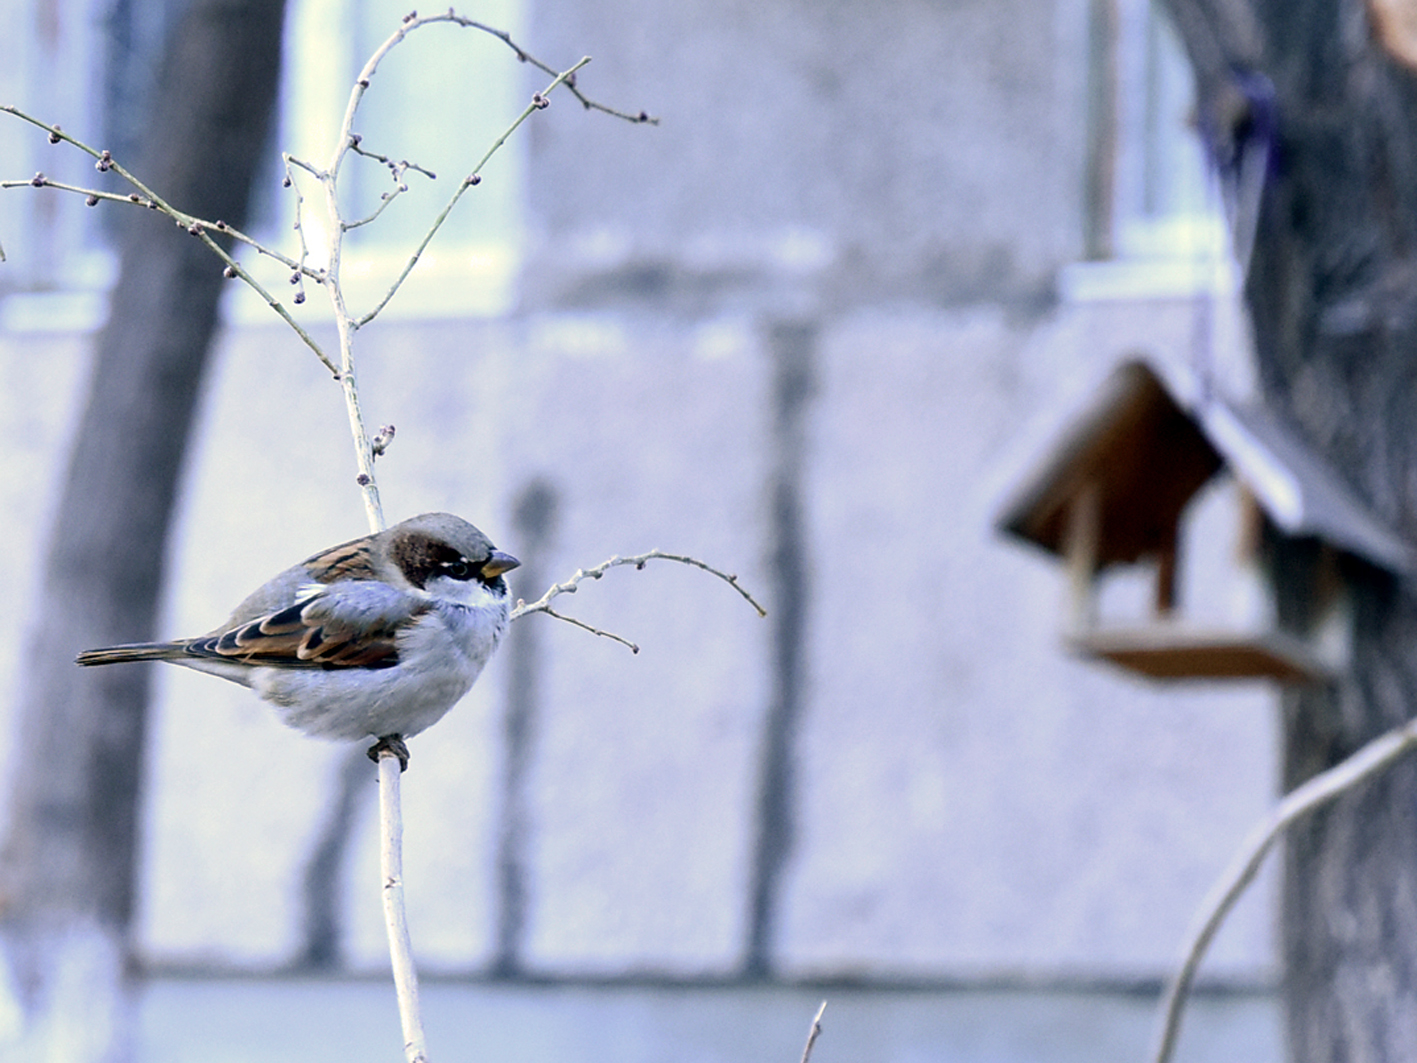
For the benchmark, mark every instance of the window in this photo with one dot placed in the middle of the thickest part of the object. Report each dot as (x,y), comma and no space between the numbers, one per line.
(54,63)
(1158,226)
(438,99)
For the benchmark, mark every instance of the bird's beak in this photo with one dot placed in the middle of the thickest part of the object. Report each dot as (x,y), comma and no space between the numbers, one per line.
(498,563)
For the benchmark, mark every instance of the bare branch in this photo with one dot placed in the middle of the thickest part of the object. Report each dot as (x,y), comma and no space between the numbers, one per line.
(814,1033)
(473,178)
(525,57)
(395,914)
(405,976)
(1372,759)
(522,56)
(199,227)
(396,172)
(593,630)
(396,169)
(235,269)
(570,586)
(291,162)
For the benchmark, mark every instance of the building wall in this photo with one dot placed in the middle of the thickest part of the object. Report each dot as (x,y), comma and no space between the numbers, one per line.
(805,329)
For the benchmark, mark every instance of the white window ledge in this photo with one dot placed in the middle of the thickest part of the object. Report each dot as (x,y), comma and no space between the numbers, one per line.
(1135,279)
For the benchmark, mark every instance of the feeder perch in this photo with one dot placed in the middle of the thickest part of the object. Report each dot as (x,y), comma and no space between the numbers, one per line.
(1115,490)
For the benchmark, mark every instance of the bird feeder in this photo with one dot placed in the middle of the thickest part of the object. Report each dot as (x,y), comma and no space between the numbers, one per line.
(1115,490)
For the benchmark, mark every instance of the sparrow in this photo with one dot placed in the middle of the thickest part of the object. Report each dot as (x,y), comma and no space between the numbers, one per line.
(377,637)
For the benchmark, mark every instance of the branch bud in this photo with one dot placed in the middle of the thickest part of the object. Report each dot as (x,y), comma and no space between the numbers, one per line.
(380,442)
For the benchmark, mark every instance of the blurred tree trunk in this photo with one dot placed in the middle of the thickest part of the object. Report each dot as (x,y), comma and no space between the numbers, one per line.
(1333,294)
(68,872)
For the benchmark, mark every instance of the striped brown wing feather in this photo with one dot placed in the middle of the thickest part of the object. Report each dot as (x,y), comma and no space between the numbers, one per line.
(349,560)
(294,638)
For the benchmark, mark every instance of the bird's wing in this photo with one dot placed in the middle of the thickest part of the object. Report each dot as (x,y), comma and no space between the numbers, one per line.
(351,560)
(347,561)
(350,624)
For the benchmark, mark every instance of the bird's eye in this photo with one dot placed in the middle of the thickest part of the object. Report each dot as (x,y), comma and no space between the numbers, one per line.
(459,569)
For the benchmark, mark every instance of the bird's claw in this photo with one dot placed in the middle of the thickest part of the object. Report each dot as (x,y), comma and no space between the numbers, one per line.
(394,746)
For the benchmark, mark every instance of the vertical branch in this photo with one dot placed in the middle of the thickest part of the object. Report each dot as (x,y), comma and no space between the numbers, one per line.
(395,915)
(390,767)
(363,449)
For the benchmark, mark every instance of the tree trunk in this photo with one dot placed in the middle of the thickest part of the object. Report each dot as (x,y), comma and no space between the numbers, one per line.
(1333,297)
(68,872)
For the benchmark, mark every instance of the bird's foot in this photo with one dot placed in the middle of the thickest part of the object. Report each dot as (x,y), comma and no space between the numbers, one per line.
(392,744)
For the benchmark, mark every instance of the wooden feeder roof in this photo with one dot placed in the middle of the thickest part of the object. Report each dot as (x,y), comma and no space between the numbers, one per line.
(1146,455)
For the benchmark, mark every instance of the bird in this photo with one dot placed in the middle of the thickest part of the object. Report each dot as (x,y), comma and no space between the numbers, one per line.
(376,637)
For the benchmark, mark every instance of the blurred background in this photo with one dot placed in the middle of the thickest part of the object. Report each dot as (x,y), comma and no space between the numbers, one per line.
(815,328)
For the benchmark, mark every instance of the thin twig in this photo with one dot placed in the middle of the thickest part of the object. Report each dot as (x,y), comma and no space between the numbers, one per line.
(144,198)
(373,216)
(298,225)
(329,177)
(473,178)
(523,56)
(40,180)
(395,912)
(1373,758)
(593,630)
(543,604)
(199,227)
(814,1033)
(397,169)
(526,57)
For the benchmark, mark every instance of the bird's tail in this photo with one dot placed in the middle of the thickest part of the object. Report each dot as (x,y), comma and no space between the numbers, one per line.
(137,651)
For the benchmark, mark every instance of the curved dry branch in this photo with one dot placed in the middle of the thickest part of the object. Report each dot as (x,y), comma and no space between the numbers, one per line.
(570,586)
(1375,757)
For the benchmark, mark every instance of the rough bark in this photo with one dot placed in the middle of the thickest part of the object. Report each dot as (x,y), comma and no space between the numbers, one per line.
(68,872)
(1332,294)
